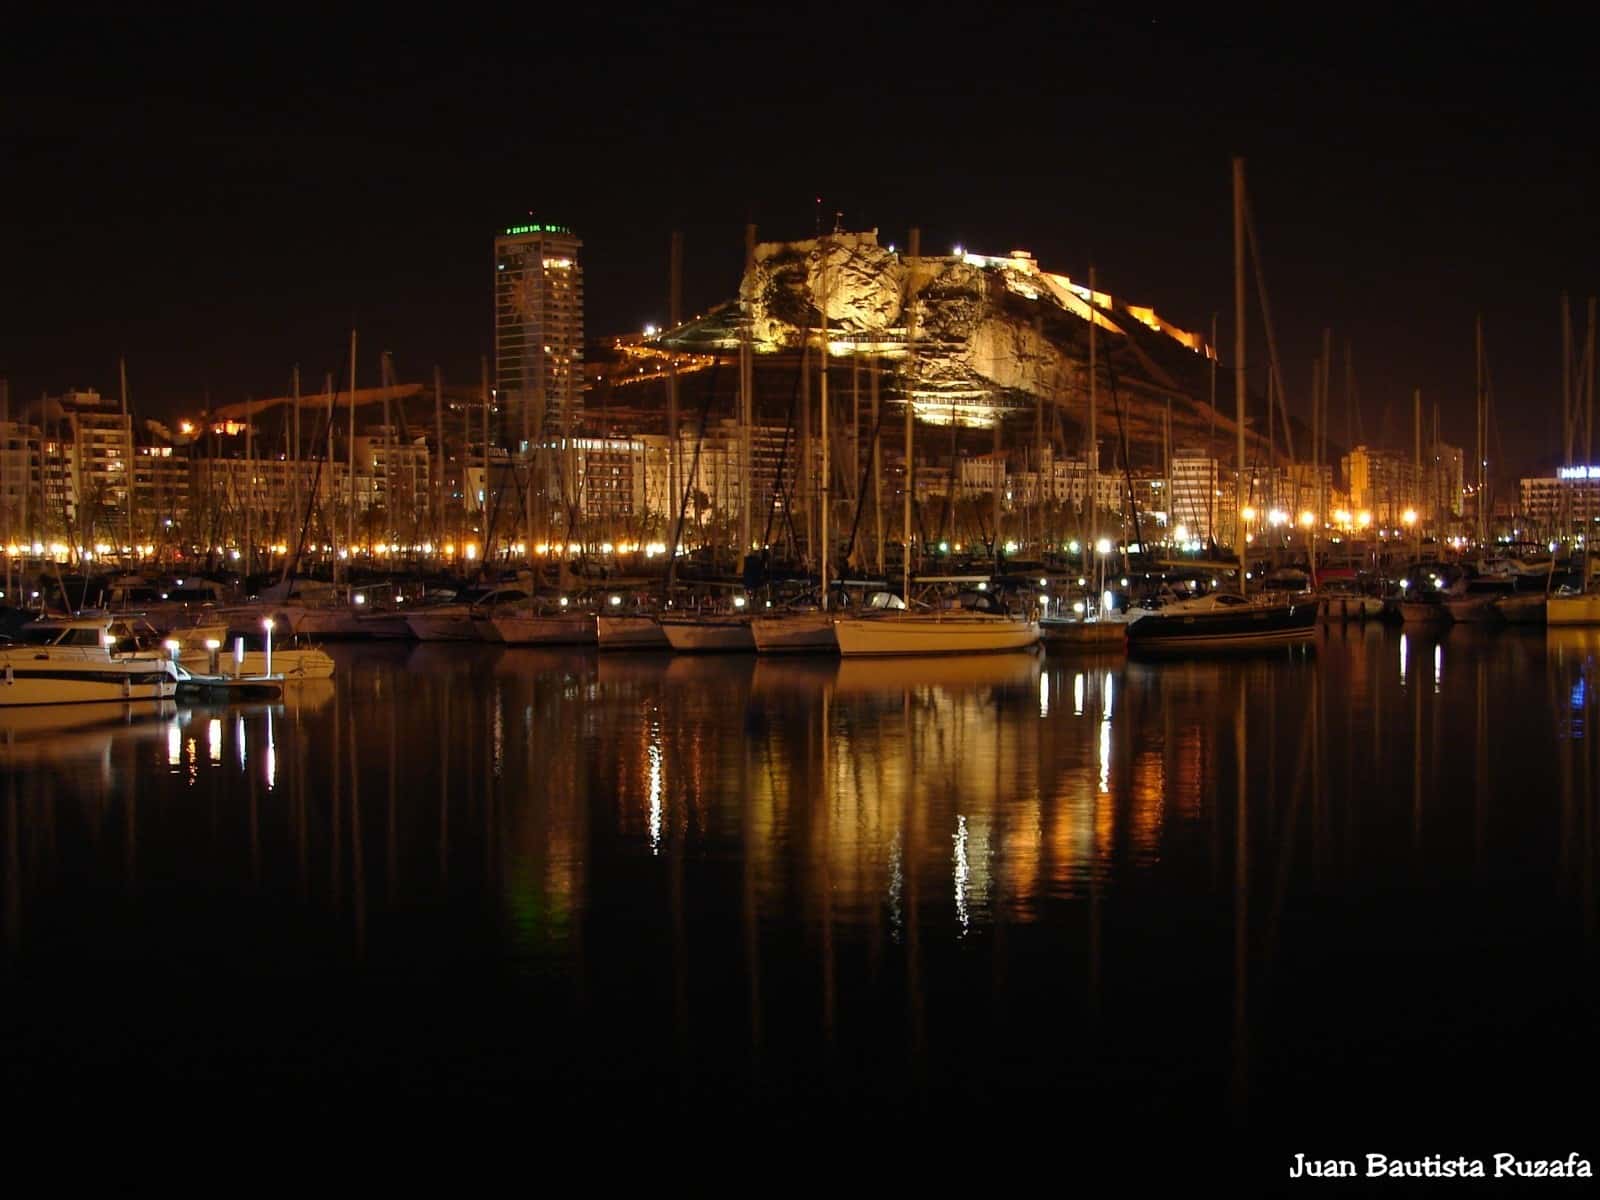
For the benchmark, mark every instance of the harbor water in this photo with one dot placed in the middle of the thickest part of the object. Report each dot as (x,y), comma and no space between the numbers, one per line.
(805,911)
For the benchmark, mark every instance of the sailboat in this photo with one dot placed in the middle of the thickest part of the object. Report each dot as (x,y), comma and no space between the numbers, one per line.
(907,631)
(1581,607)
(1224,621)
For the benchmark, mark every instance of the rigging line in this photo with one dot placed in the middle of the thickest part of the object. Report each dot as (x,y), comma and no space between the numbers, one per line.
(783,453)
(291,568)
(866,476)
(694,470)
(1127,466)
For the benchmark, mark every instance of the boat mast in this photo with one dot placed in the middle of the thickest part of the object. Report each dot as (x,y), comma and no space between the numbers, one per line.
(329,512)
(249,486)
(350,512)
(294,435)
(1211,442)
(1038,435)
(1238,363)
(1091,549)
(438,450)
(1588,442)
(674,316)
(1478,430)
(483,496)
(823,492)
(127,433)
(910,307)
(1416,421)
(746,404)
(877,470)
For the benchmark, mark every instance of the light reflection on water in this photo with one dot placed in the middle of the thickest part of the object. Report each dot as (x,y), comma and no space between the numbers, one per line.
(853,844)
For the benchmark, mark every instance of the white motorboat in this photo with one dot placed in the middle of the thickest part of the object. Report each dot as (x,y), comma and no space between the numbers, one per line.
(708,634)
(82,660)
(629,632)
(293,659)
(802,632)
(947,632)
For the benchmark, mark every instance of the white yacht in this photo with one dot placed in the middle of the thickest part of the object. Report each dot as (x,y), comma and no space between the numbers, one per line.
(952,631)
(84,659)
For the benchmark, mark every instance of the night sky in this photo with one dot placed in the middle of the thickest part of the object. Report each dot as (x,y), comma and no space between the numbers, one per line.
(219,196)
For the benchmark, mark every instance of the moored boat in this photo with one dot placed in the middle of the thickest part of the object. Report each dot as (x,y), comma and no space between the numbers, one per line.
(795,633)
(629,632)
(1225,621)
(708,634)
(1423,612)
(1106,633)
(1573,608)
(533,628)
(462,620)
(952,632)
(1522,608)
(83,660)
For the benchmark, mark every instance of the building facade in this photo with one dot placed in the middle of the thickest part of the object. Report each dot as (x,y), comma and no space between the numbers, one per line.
(538,332)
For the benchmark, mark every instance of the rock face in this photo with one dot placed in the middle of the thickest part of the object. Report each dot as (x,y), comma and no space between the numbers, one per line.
(858,282)
(992,333)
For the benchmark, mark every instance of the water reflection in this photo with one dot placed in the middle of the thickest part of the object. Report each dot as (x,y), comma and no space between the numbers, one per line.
(821,855)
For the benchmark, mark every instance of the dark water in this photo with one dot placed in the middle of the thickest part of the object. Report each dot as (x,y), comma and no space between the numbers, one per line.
(983,915)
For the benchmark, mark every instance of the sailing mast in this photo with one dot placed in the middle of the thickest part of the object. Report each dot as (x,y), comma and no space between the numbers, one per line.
(127,433)
(1478,429)
(1091,546)
(1238,362)
(329,512)
(1416,419)
(350,514)
(674,316)
(746,404)
(823,493)
(910,308)
(294,435)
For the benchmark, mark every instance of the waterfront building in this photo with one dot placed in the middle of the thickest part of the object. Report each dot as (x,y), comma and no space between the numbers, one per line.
(20,516)
(538,331)
(86,460)
(1196,498)
(1382,483)
(1560,501)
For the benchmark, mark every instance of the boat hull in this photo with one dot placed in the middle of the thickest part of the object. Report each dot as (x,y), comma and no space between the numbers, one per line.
(42,681)
(574,630)
(801,633)
(442,627)
(1349,608)
(709,637)
(1421,612)
(630,633)
(293,665)
(1573,610)
(1242,628)
(1527,609)
(1471,610)
(1057,634)
(924,635)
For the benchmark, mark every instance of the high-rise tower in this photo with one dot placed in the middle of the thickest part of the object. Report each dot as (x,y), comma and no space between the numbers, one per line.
(538,331)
